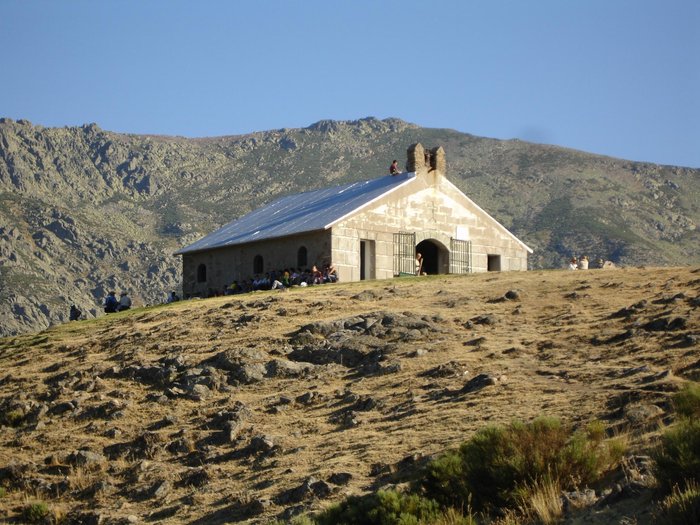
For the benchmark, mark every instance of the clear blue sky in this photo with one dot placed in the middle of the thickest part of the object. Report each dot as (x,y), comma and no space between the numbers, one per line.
(615,77)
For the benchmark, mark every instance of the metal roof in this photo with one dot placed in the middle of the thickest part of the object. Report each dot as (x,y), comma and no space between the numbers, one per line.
(300,213)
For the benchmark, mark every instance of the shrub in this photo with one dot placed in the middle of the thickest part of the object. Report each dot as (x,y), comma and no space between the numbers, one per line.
(682,505)
(35,512)
(12,418)
(383,508)
(3,492)
(678,457)
(687,401)
(494,467)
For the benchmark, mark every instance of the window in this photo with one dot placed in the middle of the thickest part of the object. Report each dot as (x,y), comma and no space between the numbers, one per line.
(494,263)
(258,264)
(302,257)
(202,273)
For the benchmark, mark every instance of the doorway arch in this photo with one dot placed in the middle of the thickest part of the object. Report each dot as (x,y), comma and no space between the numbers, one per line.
(202,273)
(436,256)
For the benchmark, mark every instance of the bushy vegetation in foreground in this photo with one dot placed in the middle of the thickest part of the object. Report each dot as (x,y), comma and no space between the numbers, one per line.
(678,460)
(687,401)
(522,468)
(499,465)
(517,467)
(682,506)
(387,508)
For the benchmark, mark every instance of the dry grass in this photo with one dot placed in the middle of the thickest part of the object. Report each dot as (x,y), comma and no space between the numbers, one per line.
(563,350)
(543,501)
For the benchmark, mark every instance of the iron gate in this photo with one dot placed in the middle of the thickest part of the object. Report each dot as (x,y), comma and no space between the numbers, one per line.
(404,253)
(460,256)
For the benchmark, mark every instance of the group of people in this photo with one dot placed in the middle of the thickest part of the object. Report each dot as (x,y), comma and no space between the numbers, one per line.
(285,279)
(582,264)
(578,264)
(112,304)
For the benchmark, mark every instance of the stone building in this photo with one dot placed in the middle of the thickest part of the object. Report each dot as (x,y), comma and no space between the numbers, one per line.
(368,230)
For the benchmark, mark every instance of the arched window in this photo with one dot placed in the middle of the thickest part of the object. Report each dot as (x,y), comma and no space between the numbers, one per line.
(258,264)
(302,258)
(202,273)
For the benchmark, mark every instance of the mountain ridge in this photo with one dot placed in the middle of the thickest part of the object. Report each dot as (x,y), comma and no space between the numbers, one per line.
(83,210)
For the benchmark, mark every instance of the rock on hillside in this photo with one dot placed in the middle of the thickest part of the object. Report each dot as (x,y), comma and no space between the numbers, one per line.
(262,406)
(83,210)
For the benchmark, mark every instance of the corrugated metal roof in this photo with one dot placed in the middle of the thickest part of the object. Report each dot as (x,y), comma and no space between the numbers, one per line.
(300,213)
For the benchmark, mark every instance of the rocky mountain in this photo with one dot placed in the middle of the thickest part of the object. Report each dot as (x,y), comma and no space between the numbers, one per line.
(83,210)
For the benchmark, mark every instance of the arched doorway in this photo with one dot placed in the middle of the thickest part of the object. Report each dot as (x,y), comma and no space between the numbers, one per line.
(435,256)
(202,273)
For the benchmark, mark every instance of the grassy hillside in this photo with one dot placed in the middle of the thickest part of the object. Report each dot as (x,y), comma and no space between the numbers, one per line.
(262,406)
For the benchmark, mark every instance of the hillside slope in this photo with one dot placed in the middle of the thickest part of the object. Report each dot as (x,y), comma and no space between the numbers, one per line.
(265,405)
(83,210)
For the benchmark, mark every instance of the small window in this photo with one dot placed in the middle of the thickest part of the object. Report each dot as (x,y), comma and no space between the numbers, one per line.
(494,263)
(258,264)
(302,257)
(202,273)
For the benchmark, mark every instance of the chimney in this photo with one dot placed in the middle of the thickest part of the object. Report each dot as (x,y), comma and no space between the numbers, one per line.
(416,158)
(437,160)
(420,159)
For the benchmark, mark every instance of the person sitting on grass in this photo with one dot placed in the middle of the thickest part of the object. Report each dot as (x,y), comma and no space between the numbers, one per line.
(111,303)
(124,302)
(330,274)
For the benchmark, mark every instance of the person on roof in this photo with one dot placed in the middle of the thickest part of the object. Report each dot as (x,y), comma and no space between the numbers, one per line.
(394,168)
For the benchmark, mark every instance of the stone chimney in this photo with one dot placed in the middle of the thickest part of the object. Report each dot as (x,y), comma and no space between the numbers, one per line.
(420,159)
(415,158)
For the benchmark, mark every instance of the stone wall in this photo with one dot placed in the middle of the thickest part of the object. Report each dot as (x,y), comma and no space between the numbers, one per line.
(225,265)
(434,209)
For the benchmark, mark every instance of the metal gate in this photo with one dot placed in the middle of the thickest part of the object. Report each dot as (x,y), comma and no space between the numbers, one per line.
(460,256)
(404,253)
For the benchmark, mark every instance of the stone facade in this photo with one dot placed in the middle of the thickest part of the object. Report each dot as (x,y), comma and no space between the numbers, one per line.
(437,211)
(225,265)
(362,245)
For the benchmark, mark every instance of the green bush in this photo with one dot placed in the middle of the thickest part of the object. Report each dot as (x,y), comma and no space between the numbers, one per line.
(382,508)
(12,418)
(35,512)
(682,506)
(687,401)
(678,457)
(3,492)
(494,467)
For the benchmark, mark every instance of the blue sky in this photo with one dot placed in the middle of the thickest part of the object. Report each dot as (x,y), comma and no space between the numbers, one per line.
(620,78)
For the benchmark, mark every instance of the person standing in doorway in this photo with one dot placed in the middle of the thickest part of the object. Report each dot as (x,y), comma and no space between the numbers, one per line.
(419,264)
